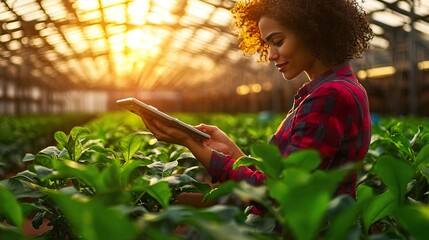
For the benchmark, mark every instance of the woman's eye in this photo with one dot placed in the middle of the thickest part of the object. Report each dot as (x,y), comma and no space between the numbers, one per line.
(278,43)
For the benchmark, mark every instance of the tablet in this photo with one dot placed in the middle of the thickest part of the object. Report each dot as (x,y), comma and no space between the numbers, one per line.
(140,108)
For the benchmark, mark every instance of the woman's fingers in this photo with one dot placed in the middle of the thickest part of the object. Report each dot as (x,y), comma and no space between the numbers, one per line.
(154,127)
(163,132)
(209,129)
(149,124)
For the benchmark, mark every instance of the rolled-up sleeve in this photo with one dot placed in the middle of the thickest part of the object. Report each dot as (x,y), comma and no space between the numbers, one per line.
(221,170)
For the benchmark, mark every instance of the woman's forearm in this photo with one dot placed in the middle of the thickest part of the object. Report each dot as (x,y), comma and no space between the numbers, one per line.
(200,151)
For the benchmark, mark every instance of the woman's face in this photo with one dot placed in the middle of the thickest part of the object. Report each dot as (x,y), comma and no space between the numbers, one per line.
(289,53)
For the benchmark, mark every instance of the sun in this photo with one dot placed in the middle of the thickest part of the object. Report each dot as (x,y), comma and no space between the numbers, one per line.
(135,29)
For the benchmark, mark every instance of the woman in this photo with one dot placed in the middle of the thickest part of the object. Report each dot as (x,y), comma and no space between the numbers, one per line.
(330,112)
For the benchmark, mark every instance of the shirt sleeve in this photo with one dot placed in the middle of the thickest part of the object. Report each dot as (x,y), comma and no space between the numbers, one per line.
(320,122)
(221,170)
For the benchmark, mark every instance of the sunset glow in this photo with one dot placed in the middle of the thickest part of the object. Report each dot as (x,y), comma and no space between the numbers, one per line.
(131,37)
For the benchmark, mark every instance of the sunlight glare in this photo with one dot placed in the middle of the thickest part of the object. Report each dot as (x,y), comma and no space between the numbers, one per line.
(107,3)
(138,39)
(117,43)
(115,14)
(87,5)
(199,10)
(166,4)
(134,38)
(132,41)
(137,11)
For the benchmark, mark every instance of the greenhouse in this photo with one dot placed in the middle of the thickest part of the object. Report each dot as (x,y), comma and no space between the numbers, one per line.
(74,164)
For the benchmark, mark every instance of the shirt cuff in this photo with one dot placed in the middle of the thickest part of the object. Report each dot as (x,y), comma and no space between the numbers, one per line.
(217,165)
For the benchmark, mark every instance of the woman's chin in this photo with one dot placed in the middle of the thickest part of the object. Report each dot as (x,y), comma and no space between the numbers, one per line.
(288,76)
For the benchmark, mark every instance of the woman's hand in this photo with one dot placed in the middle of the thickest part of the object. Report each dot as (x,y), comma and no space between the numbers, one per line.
(163,132)
(219,141)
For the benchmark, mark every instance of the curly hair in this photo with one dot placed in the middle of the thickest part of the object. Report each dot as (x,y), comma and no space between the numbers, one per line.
(334,30)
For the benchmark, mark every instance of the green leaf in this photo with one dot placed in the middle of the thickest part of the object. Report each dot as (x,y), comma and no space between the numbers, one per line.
(225,213)
(43,172)
(185,156)
(21,188)
(249,161)
(64,154)
(305,205)
(87,173)
(9,232)
(26,175)
(28,208)
(188,183)
(416,136)
(62,139)
(345,218)
(248,192)
(304,212)
(163,156)
(364,193)
(271,158)
(130,144)
(339,204)
(395,173)
(91,219)
(73,143)
(77,150)
(425,172)
(161,192)
(204,188)
(46,156)
(263,223)
(307,159)
(162,168)
(50,151)
(277,189)
(266,150)
(10,209)
(222,190)
(188,170)
(403,145)
(422,158)
(111,177)
(79,133)
(415,220)
(293,177)
(380,206)
(28,157)
(128,168)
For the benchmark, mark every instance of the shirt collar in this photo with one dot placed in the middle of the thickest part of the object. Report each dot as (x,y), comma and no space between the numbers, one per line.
(343,69)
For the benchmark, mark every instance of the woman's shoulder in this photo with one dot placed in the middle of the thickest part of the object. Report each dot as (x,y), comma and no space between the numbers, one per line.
(345,91)
(341,86)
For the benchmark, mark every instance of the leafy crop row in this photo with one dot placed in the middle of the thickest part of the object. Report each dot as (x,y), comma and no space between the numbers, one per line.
(22,134)
(110,180)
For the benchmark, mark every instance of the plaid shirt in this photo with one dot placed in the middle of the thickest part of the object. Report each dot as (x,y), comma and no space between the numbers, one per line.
(330,114)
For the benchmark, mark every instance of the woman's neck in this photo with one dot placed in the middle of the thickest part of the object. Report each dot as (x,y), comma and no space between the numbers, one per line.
(317,69)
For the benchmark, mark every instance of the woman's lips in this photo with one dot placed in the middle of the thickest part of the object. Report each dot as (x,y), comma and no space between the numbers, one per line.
(281,66)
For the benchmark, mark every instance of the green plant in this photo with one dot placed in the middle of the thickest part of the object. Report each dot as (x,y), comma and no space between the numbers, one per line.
(110,180)
(29,133)
(82,174)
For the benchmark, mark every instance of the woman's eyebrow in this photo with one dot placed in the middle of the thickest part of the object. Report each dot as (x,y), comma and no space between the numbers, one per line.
(271,35)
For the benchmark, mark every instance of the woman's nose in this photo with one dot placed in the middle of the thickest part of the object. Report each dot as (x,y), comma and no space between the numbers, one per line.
(273,54)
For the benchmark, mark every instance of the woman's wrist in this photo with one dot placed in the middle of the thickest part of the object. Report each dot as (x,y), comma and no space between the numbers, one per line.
(191,143)
(200,151)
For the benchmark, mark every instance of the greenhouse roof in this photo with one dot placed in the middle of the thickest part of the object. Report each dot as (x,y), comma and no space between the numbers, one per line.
(147,44)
